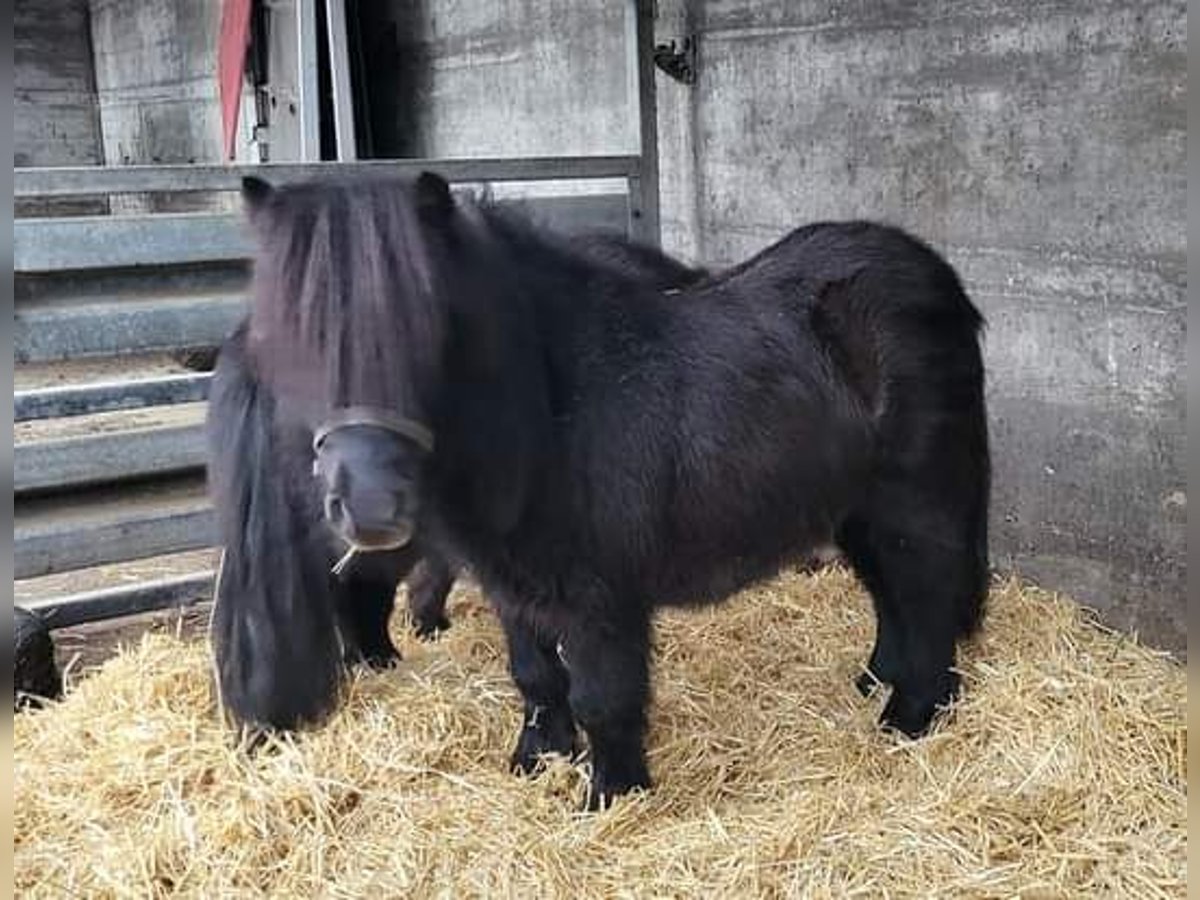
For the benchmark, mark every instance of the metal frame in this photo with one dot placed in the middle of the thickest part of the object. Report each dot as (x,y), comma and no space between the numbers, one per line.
(87,460)
(154,518)
(339,65)
(109,396)
(309,91)
(109,242)
(639,54)
(61,330)
(114,603)
(83,181)
(93,529)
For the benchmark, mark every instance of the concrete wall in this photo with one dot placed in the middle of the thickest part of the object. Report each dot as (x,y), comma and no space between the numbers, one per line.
(1039,145)
(55,115)
(525,79)
(156,77)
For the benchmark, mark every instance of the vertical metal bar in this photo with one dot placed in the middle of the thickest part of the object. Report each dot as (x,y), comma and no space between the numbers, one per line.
(310,100)
(339,70)
(633,184)
(639,55)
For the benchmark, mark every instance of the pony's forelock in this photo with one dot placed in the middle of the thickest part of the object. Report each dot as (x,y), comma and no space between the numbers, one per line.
(345,310)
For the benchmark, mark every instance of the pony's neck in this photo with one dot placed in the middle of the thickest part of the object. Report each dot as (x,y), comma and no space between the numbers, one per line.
(557,276)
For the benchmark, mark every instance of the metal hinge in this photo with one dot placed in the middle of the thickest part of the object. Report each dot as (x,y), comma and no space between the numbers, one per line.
(679,63)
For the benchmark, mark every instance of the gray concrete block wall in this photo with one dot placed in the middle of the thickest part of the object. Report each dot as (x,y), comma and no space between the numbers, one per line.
(55,115)
(1041,147)
(522,78)
(156,80)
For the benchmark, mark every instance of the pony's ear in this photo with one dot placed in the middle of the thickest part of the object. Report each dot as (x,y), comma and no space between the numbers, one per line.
(434,200)
(255,193)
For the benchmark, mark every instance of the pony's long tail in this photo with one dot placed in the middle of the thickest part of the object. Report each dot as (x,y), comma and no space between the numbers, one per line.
(979,485)
(273,632)
(974,608)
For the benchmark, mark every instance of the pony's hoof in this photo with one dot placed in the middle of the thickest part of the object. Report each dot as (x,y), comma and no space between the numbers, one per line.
(553,733)
(606,787)
(901,717)
(378,660)
(35,674)
(913,716)
(428,629)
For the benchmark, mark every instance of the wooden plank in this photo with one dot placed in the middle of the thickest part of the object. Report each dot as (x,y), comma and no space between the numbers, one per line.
(101,458)
(63,534)
(49,331)
(91,180)
(109,396)
(114,603)
(108,242)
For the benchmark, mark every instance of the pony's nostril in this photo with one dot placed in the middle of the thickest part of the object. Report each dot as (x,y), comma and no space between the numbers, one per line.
(335,509)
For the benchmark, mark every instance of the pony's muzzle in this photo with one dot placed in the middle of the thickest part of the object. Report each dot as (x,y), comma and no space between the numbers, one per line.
(386,525)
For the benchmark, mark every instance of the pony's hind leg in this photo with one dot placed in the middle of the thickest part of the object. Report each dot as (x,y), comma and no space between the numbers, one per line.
(547,725)
(428,587)
(886,658)
(609,667)
(920,582)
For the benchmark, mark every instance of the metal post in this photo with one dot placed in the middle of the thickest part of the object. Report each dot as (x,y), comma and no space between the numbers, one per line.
(639,55)
(339,67)
(310,100)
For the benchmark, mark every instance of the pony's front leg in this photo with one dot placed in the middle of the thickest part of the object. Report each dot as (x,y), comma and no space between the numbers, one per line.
(609,668)
(547,726)
(428,587)
(365,606)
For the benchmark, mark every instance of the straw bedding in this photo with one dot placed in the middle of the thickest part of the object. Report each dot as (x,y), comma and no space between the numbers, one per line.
(1060,773)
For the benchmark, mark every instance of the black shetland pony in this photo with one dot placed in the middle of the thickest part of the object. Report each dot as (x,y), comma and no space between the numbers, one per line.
(285,624)
(593,448)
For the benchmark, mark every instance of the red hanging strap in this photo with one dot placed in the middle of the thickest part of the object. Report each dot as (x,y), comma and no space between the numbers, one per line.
(231,62)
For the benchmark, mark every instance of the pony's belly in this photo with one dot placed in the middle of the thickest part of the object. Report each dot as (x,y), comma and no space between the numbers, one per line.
(710,573)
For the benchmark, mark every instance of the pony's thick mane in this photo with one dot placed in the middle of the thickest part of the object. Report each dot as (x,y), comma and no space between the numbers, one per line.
(344,276)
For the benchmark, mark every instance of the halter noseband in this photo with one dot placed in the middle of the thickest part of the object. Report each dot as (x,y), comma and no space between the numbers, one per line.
(349,416)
